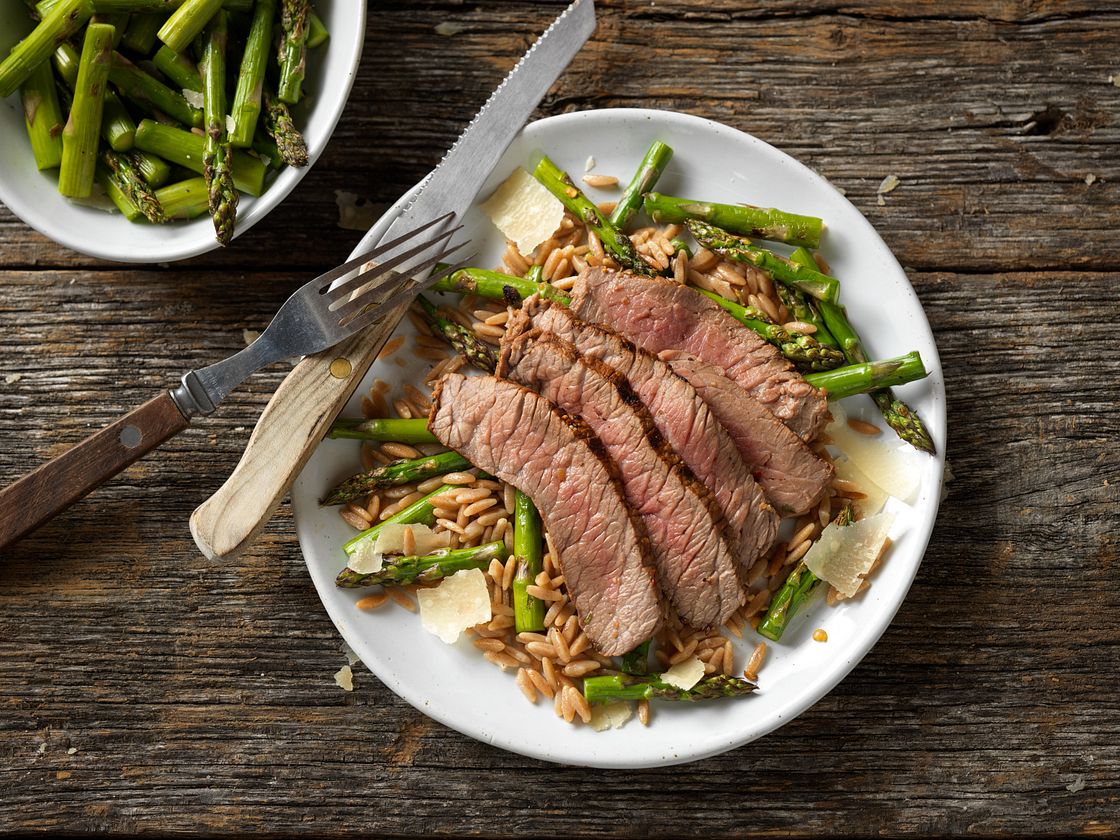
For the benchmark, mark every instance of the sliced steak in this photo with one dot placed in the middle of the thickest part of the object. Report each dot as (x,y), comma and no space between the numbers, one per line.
(554,457)
(696,563)
(660,315)
(792,476)
(680,415)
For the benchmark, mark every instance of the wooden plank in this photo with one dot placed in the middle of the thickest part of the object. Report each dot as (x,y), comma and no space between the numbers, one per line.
(992,115)
(200,697)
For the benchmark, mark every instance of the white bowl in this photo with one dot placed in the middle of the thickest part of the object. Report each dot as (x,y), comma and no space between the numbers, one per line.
(34,197)
(453,683)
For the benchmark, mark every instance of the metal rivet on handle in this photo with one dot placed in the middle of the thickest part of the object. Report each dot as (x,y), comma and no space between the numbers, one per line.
(341,368)
(130,436)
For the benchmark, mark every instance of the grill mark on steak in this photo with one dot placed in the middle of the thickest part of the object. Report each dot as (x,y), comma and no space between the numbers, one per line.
(658,314)
(696,560)
(680,415)
(561,464)
(792,476)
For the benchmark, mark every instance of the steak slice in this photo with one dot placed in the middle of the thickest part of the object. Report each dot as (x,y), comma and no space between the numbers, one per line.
(696,564)
(791,475)
(660,315)
(523,439)
(680,415)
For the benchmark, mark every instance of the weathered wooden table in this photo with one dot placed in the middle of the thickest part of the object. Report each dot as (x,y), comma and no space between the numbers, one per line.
(143,688)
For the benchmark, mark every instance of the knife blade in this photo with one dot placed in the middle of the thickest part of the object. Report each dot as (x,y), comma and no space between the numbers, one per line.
(310,397)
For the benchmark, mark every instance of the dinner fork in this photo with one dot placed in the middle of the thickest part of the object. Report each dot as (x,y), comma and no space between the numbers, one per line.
(318,315)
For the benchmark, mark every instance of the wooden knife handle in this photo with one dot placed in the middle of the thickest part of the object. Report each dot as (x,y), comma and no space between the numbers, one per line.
(59,483)
(293,424)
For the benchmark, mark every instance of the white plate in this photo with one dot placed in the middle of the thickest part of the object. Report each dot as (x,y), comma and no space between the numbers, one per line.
(34,197)
(454,684)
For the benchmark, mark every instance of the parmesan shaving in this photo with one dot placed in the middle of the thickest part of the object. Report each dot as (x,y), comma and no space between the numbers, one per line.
(889,183)
(344,678)
(684,675)
(893,469)
(845,553)
(459,602)
(524,211)
(876,495)
(193,97)
(366,559)
(390,539)
(610,715)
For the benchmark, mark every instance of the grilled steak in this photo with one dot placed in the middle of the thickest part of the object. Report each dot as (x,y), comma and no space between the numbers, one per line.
(661,315)
(680,415)
(523,439)
(792,477)
(696,564)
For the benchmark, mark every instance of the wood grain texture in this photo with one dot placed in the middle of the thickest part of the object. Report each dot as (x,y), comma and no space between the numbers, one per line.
(199,696)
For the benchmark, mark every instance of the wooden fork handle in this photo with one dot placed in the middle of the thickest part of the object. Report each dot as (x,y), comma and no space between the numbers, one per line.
(59,483)
(294,422)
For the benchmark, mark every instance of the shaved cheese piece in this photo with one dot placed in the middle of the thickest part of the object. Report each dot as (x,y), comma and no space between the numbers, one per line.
(344,678)
(845,553)
(193,97)
(876,495)
(390,539)
(684,675)
(366,559)
(891,467)
(524,211)
(459,602)
(610,715)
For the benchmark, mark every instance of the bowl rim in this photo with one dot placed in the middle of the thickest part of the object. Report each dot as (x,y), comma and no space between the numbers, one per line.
(816,685)
(187,242)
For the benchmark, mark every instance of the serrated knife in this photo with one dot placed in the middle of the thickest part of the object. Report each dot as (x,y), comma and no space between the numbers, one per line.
(311,396)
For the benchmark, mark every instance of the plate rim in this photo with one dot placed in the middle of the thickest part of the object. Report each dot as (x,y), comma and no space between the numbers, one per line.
(816,688)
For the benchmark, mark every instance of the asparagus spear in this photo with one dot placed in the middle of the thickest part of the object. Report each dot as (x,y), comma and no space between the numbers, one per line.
(392,475)
(293,48)
(623,687)
(62,21)
(150,94)
(117,126)
(43,116)
(528,610)
(803,350)
(535,274)
(187,22)
(419,512)
(678,246)
(497,286)
(179,68)
(461,339)
(616,243)
(216,158)
(105,178)
(184,200)
(736,248)
(265,148)
(898,415)
(759,222)
(405,431)
(144,7)
(803,307)
(154,170)
(141,34)
(187,149)
(636,662)
(645,179)
(278,122)
(798,588)
(130,181)
(250,81)
(79,137)
(400,571)
(860,379)
(317,33)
